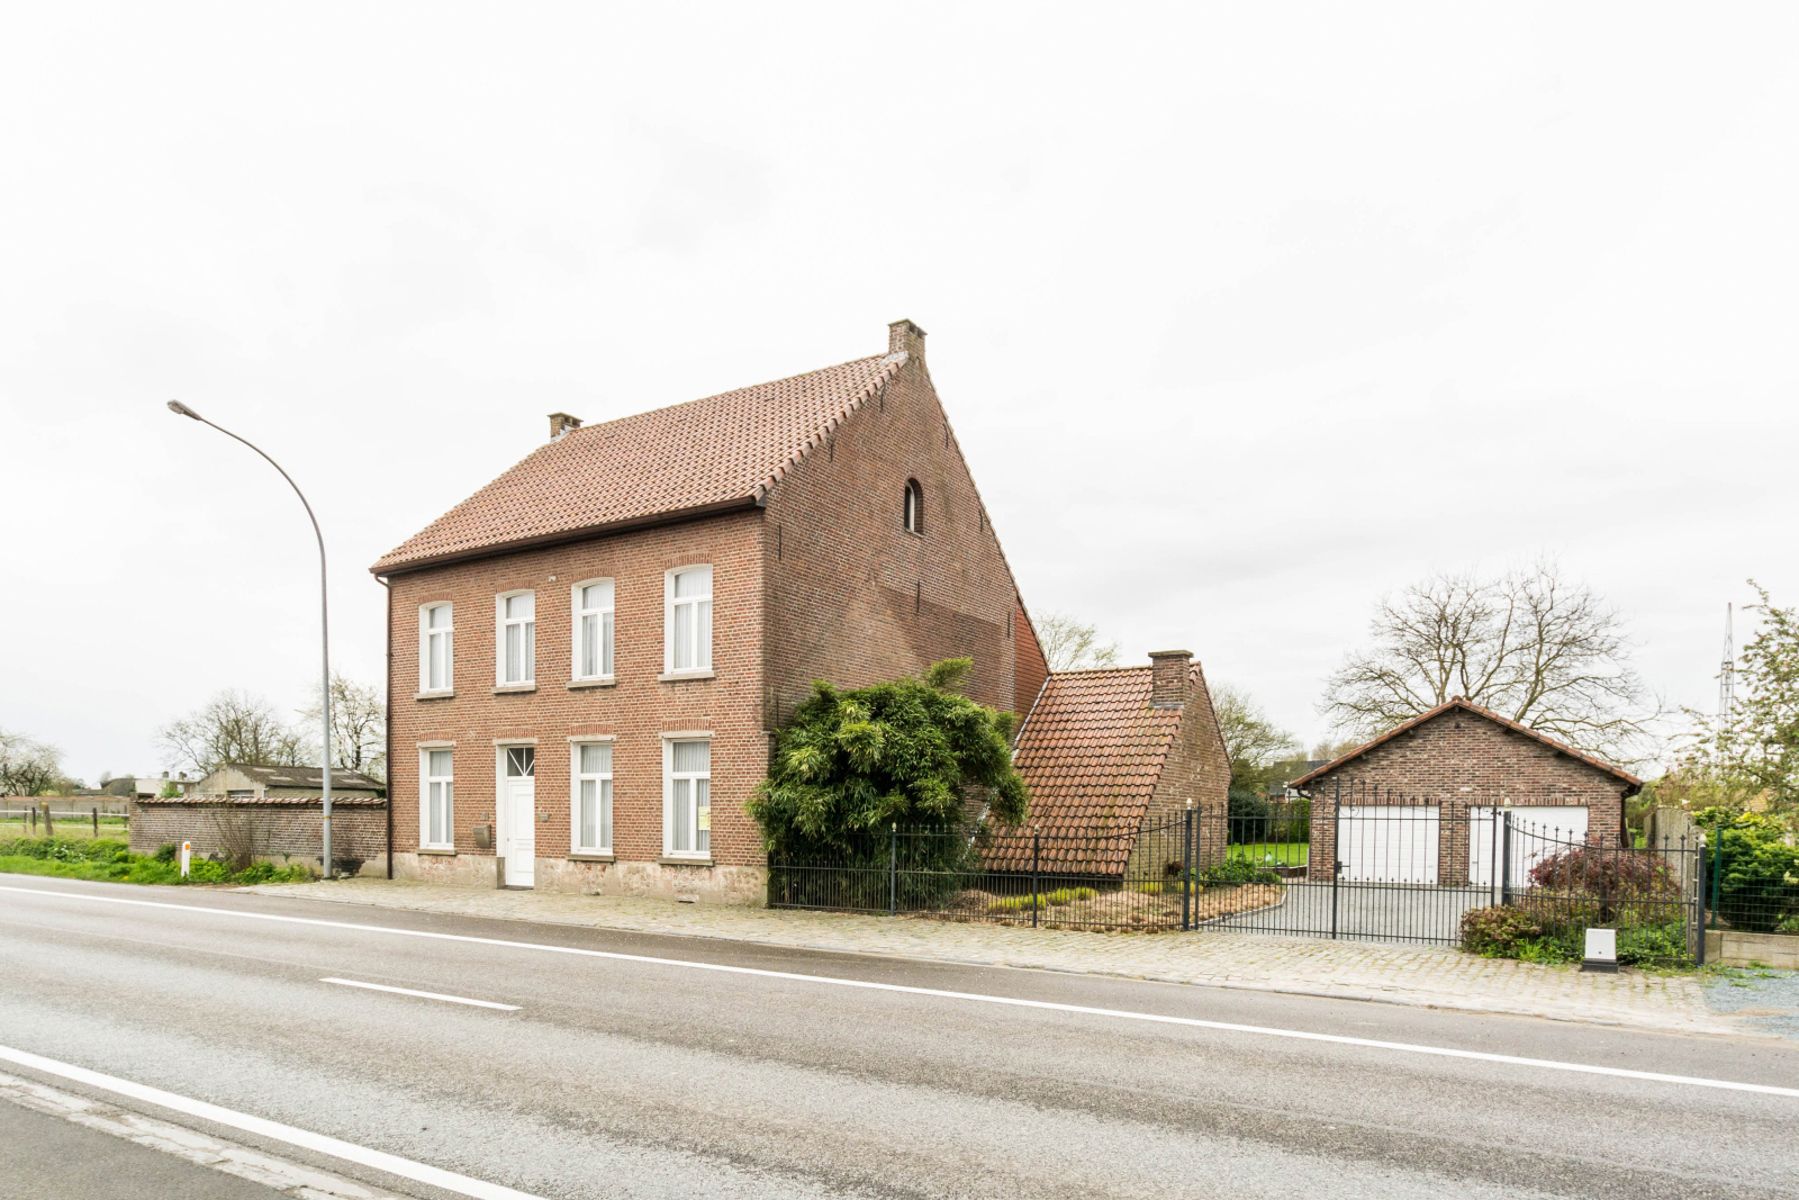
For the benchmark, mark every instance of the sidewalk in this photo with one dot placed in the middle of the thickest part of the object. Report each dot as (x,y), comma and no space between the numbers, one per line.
(1427,976)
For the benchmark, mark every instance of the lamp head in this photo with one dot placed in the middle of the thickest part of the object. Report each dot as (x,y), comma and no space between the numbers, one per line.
(175,406)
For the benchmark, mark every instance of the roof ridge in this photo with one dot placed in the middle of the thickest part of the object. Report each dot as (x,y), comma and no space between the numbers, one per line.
(748,387)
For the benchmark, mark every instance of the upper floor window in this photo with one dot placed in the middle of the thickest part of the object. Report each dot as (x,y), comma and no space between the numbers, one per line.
(517,638)
(437,782)
(687,619)
(436,647)
(914,507)
(593,629)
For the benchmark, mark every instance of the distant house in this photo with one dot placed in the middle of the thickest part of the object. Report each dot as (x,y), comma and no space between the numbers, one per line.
(257,781)
(150,787)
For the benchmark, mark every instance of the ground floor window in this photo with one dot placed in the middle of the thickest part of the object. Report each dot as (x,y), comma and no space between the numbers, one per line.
(687,796)
(593,797)
(437,776)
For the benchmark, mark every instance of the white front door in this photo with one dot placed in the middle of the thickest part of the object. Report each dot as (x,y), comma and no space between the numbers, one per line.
(518,808)
(1538,832)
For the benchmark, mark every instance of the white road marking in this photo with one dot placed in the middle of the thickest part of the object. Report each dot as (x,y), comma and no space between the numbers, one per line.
(393,1164)
(215,1154)
(1120,1014)
(399,991)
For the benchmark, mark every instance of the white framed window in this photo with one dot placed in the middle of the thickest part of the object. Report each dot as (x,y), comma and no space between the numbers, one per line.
(687,796)
(914,511)
(437,648)
(590,803)
(437,799)
(687,620)
(593,608)
(515,638)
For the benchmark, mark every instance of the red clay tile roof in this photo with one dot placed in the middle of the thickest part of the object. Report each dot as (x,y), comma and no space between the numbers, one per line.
(1458,702)
(1091,751)
(721,452)
(194,800)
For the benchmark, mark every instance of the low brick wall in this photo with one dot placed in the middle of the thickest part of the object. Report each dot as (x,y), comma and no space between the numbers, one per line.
(280,830)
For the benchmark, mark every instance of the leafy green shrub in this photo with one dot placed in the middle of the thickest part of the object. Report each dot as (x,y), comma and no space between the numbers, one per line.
(1234,872)
(1498,930)
(1055,899)
(1758,877)
(850,765)
(165,853)
(1665,943)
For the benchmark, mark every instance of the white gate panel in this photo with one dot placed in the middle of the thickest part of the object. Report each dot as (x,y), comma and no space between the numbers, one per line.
(1549,828)
(1388,843)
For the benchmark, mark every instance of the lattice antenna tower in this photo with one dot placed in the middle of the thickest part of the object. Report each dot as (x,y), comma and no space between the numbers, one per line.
(1727,671)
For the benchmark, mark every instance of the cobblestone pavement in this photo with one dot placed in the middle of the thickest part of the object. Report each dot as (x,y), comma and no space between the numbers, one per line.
(1429,976)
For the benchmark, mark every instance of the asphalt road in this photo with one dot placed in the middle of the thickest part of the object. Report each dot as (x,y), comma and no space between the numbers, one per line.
(622,1077)
(43,1157)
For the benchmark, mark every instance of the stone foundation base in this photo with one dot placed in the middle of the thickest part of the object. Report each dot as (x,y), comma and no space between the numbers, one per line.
(672,881)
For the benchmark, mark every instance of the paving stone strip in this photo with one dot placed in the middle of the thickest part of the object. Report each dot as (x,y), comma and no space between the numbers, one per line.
(1426,976)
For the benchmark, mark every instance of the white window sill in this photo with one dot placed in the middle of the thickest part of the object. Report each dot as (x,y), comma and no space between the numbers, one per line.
(682,676)
(446,851)
(440,694)
(598,681)
(506,688)
(685,860)
(592,856)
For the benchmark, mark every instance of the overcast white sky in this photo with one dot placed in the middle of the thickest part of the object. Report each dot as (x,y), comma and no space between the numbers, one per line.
(1243,314)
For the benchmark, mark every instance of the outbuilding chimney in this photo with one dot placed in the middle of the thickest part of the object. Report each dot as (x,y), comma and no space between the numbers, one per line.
(1168,671)
(561,423)
(904,336)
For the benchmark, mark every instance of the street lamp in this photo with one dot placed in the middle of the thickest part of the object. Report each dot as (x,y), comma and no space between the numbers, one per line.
(175,406)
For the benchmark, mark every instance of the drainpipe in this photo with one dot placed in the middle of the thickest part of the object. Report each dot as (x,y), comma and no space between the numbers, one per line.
(387,727)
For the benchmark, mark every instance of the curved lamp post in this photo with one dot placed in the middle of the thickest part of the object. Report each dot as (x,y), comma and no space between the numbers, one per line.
(175,406)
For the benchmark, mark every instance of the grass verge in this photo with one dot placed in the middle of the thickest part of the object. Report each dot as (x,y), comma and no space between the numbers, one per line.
(113,862)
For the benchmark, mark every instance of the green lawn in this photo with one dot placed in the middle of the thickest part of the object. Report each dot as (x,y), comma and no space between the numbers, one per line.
(14,825)
(1270,854)
(110,861)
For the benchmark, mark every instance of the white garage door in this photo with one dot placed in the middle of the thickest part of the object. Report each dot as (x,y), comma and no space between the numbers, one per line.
(1538,832)
(1388,843)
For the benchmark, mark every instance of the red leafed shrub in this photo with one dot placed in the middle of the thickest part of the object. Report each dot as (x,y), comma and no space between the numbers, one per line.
(1613,873)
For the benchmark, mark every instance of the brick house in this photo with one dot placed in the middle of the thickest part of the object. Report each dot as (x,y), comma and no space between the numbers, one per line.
(1421,801)
(588,657)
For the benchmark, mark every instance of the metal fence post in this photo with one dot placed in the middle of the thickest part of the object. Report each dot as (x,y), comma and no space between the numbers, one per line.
(1717,871)
(1698,901)
(893,869)
(1505,862)
(1189,861)
(1036,866)
(1336,848)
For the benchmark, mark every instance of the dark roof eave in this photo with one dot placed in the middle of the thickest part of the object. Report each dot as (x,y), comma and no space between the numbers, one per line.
(674,517)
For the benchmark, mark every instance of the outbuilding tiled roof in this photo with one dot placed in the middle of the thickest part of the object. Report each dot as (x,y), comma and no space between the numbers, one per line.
(705,455)
(306,777)
(1091,752)
(196,800)
(1465,705)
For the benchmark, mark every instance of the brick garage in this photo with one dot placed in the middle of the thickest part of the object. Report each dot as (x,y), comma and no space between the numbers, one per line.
(279,830)
(1454,758)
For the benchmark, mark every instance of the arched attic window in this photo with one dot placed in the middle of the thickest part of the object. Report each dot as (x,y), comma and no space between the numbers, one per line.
(914,512)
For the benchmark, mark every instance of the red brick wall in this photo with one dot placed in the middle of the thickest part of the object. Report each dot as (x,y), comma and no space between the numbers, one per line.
(854,598)
(1197,769)
(637,710)
(1029,665)
(1460,760)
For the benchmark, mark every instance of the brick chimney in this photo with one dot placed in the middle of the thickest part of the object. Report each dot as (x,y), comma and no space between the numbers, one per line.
(1168,677)
(561,423)
(904,335)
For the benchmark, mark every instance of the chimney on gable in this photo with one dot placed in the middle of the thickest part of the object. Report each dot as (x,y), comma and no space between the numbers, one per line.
(1168,671)
(561,423)
(904,335)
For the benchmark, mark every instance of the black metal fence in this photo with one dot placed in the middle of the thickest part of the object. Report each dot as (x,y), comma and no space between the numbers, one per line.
(1752,875)
(1366,864)
(1139,880)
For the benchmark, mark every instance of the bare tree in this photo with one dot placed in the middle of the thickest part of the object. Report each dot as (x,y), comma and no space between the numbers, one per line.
(1254,744)
(1530,645)
(29,767)
(233,727)
(358,727)
(1069,645)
